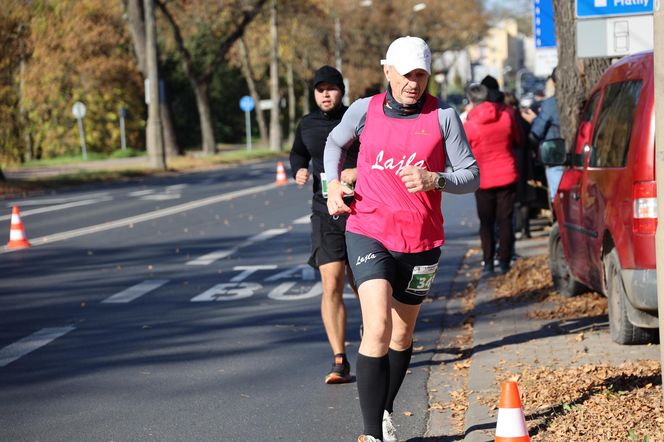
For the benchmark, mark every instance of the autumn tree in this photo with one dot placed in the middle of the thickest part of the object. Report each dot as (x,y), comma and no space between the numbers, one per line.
(367,32)
(575,77)
(14,40)
(203,33)
(80,51)
(303,29)
(133,12)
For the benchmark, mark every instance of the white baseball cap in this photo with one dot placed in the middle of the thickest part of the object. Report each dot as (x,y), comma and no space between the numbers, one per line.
(407,54)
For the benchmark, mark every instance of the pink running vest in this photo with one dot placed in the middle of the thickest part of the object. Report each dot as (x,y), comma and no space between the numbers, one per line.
(383,208)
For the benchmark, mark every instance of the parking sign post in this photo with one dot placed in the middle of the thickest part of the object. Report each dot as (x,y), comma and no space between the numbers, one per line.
(79,112)
(247,105)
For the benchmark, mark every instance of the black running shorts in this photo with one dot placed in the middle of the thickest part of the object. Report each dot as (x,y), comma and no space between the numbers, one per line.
(328,243)
(410,274)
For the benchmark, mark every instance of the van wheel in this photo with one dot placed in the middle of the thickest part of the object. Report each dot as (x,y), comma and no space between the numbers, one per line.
(563,281)
(622,331)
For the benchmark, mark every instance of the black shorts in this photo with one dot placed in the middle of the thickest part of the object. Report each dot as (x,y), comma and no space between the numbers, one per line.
(328,243)
(410,274)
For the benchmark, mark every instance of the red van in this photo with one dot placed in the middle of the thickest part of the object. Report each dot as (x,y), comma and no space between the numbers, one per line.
(606,206)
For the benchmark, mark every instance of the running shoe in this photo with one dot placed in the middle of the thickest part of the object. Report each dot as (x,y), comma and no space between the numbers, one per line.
(340,373)
(364,438)
(389,432)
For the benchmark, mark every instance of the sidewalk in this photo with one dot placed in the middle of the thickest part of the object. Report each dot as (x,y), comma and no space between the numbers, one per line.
(480,346)
(49,171)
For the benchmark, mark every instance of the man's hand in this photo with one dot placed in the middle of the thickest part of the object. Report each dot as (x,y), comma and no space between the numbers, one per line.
(335,201)
(417,179)
(302,176)
(349,176)
(528,114)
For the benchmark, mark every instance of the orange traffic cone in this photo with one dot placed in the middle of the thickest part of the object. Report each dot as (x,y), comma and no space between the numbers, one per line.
(281,175)
(17,238)
(511,425)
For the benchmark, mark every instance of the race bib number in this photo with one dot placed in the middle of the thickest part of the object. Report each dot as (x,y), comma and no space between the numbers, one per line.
(421,279)
(323,184)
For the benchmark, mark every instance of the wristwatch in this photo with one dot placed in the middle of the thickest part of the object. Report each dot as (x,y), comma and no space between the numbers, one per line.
(440,182)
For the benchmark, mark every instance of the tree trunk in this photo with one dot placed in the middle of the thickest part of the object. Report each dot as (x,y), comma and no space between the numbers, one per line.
(575,77)
(306,90)
(251,84)
(28,151)
(275,125)
(203,105)
(136,24)
(170,139)
(291,104)
(155,141)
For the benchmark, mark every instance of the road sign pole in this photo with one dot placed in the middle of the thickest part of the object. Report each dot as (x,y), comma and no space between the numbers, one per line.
(247,126)
(123,137)
(247,105)
(81,133)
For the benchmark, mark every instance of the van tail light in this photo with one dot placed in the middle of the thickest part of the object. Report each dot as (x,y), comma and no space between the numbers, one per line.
(645,207)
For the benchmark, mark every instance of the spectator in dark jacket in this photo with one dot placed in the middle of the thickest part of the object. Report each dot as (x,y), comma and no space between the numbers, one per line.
(491,133)
(546,126)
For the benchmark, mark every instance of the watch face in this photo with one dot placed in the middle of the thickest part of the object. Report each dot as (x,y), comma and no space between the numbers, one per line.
(440,182)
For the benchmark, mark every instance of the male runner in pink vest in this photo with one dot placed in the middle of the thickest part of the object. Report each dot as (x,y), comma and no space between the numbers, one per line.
(395,228)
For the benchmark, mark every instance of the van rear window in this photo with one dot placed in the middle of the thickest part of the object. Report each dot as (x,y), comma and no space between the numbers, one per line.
(614,124)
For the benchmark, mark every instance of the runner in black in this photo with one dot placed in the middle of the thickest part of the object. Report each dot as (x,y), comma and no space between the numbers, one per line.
(328,247)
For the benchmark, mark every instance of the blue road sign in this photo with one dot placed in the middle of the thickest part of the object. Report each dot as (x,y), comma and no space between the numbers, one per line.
(247,103)
(545,30)
(604,8)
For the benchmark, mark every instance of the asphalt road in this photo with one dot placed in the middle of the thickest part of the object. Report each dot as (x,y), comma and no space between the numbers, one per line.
(180,308)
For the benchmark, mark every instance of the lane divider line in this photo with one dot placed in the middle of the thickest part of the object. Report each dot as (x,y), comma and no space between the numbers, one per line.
(149,216)
(211,257)
(306,219)
(135,292)
(31,343)
(47,209)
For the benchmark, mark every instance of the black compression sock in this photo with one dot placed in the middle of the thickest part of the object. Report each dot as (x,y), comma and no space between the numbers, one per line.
(373,376)
(399,362)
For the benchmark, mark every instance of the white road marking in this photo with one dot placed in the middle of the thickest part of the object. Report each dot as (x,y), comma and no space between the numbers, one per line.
(306,273)
(161,197)
(135,291)
(211,257)
(271,233)
(228,291)
(249,270)
(176,187)
(58,207)
(280,292)
(141,192)
(149,216)
(31,343)
(59,200)
(306,219)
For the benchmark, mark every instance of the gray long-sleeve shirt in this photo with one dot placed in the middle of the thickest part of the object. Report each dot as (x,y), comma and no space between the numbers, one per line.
(462,174)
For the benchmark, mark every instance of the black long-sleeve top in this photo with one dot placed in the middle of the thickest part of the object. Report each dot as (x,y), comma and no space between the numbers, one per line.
(309,145)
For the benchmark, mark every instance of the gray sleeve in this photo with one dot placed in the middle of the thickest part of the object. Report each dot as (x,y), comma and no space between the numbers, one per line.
(343,136)
(462,175)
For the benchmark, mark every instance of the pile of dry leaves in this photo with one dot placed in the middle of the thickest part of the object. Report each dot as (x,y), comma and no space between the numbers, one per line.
(530,280)
(593,402)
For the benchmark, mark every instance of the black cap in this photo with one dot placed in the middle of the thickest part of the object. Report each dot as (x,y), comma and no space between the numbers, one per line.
(490,82)
(328,74)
